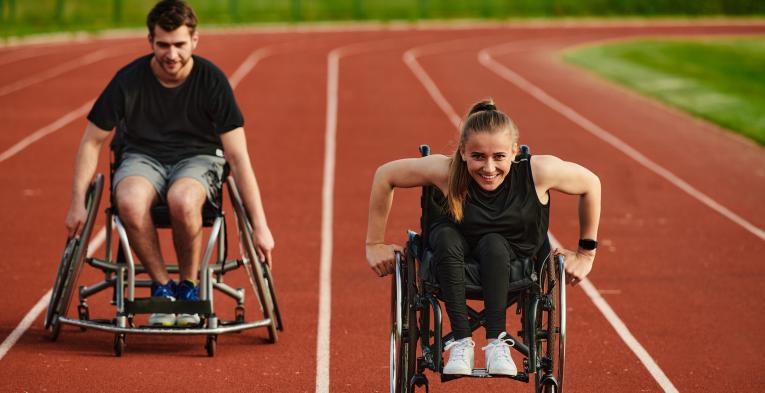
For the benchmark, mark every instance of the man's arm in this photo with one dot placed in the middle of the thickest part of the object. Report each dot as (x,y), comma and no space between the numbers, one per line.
(84,169)
(235,148)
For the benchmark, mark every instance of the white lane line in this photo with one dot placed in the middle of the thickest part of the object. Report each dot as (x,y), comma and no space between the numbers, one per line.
(42,304)
(622,330)
(249,63)
(90,58)
(327,197)
(20,56)
(47,130)
(410,57)
(99,238)
(486,59)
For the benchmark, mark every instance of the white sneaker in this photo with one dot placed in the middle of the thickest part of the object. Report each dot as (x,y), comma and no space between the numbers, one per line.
(186,320)
(460,357)
(162,320)
(498,360)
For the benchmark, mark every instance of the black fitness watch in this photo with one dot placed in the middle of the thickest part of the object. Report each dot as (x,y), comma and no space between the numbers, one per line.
(588,244)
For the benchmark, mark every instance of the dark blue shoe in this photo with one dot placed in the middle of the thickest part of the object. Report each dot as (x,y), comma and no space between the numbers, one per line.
(187,291)
(165,291)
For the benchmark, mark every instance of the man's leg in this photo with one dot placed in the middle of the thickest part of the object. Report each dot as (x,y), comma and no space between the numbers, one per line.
(185,199)
(135,196)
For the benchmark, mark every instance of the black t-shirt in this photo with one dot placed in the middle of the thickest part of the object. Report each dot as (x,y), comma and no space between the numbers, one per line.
(513,210)
(169,124)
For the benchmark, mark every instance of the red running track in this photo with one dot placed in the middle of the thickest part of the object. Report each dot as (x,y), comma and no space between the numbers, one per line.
(682,277)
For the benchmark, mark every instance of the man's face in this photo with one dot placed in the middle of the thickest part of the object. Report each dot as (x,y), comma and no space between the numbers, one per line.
(172,49)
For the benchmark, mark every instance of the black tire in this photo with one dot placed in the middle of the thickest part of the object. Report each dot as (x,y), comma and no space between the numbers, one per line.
(551,328)
(272,291)
(211,345)
(74,254)
(58,284)
(119,344)
(404,333)
(254,266)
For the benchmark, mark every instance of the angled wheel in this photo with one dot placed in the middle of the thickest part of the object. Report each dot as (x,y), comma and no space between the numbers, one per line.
(272,291)
(403,335)
(74,253)
(254,266)
(551,328)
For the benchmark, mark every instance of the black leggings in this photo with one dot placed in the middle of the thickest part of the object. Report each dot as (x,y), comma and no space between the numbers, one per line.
(492,253)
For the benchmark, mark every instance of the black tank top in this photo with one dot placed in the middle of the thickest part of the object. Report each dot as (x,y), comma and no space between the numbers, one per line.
(513,211)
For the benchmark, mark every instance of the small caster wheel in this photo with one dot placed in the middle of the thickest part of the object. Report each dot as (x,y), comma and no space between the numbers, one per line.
(119,344)
(239,312)
(83,314)
(211,344)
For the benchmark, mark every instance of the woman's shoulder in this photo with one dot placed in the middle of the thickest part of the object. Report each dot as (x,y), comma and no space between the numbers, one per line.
(543,165)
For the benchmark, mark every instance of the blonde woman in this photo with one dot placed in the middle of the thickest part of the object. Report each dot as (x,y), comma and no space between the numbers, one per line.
(498,214)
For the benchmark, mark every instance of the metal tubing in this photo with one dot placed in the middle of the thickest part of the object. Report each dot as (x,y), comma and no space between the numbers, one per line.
(119,290)
(169,331)
(437,327)
(109,220)
(228,290)
(129,256)
(86,292)
(205,284)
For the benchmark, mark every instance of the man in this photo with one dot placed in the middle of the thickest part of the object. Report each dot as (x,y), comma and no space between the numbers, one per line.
(180,124)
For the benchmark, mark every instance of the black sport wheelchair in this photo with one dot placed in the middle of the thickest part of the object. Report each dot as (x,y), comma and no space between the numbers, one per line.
(417,340)
(120,272)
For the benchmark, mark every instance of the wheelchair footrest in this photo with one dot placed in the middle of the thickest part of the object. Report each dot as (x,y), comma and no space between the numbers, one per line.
(151,305)
(482,373)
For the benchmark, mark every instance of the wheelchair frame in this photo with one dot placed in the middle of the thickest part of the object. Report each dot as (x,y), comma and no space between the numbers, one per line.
(120,275)
(542,307)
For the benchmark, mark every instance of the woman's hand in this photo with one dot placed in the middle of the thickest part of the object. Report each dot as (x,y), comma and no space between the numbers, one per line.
(382,257)
(577,264)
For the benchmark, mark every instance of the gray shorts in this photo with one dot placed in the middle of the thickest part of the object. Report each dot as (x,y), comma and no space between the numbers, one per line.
(207,170)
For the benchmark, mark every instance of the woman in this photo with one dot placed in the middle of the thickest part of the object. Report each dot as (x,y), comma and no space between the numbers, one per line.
(498,215)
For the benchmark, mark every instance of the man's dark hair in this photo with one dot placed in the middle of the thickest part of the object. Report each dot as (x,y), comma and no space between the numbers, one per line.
(170,15)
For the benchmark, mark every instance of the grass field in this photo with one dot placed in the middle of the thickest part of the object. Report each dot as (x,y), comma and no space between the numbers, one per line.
(721,80)
(20,17)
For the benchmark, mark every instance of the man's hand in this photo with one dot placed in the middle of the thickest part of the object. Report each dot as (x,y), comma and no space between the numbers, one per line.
(577,264)
(264,243)
(75,219)
(382,257)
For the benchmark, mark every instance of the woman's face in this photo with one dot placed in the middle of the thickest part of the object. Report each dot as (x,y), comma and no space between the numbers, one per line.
(488,156)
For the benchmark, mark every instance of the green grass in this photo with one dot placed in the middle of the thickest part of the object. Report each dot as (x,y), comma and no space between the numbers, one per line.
(721,80)
(24,17)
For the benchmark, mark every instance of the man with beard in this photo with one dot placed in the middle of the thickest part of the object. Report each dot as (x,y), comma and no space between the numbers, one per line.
(179,124)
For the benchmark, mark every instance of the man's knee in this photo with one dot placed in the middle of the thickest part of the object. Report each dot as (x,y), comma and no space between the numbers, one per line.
(134,197)
(185,199)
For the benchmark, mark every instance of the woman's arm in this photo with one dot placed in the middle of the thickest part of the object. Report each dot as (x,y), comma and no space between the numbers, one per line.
(552,173)
(406,173)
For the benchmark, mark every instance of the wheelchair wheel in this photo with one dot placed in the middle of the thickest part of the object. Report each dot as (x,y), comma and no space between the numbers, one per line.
(69,268)
(272,291)
(211,344)
(551,328)
(403,336)
(256,269)
(119,344)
